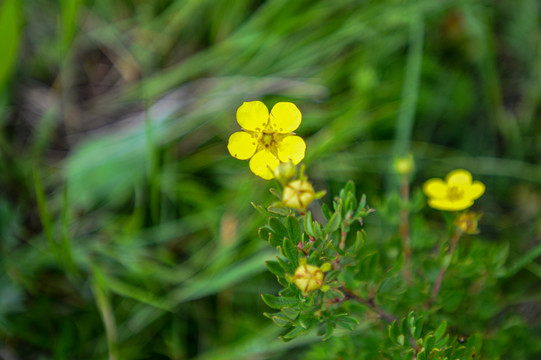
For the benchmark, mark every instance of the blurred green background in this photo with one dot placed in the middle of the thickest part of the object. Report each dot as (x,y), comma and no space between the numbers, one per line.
(126,228)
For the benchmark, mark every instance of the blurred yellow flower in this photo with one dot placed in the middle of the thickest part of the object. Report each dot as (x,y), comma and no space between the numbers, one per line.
(456,193)
(267,139)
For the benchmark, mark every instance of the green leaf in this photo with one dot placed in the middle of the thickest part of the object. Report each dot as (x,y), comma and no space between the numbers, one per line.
(293,229)
(264,233)
(261,209)
(280,321)
(442,342)
(329,329)
(44,214)
(390,288)
(308,321)
(429,343)
(530,256)
(350,188)
(397,266)
(326,211)
(290,251)
(278,228)
(69,10)
(292,334)
(474,344)
(308,224)
(275,268)
(290,313)
(10,28)
(333,224)
(351,204)
(286,266)
(362,204)
(346,321)
(394,331)
(418,329)
(369,266)
(440,331)
(400,339)
(360,240)
(318,231)
(276,193)
(277,208)
(278,302)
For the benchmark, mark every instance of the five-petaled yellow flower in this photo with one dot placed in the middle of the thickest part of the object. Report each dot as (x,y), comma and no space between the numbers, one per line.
(456,193)
(267,139)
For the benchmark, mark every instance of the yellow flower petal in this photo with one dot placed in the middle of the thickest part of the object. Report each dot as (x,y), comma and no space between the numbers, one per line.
(291,147)
(285,117)
(446,204)
(475,190)
(242,145)
(253,116)
(435,188)
(461,178)
(263,163)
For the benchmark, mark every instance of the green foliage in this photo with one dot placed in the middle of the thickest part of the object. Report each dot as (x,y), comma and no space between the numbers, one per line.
(125,227)
(10,30)
(365,286)
(409,340)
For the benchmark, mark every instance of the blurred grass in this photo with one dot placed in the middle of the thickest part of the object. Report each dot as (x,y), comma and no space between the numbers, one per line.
(126,228)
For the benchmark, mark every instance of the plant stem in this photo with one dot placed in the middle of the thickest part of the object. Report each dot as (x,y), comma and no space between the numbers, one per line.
(343,236)
(369,303)
(437,285)
(404,229)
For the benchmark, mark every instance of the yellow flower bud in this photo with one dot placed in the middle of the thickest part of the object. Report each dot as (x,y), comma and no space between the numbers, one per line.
(298,194)
(308,278)
(285,172)
(404,165)
(467,222)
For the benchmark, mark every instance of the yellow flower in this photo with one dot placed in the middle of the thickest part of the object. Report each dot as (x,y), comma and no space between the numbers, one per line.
(308,278)
(457,192)
(298,194)
(267,139)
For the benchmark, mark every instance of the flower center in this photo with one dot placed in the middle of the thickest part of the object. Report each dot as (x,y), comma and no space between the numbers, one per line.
(266,140)
(455,193)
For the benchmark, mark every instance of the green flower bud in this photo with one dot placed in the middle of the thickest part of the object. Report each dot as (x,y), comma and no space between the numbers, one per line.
(285,172)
